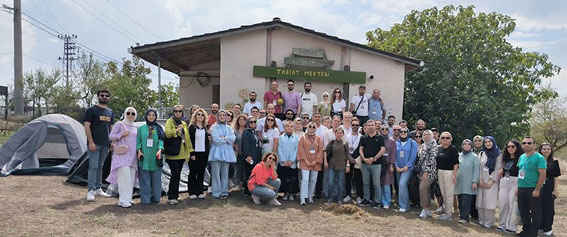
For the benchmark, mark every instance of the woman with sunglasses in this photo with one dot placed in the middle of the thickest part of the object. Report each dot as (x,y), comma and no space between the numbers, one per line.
(287,167)
(149,144)
(264,183)
(221,155)
(387,172)
(298,128)
(310,156)
(176,128)
(549,191)
(251,148)
(406,151)
(427,165)
(324,107)
(238,177)
(270,135)
(414,180)
(507,200)
(124,166)
(338,103)
(447,168)
(487,198)
(467,180)
(200,138)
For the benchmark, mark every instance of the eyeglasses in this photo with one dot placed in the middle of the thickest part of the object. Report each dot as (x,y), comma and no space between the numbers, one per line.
(289,114)
(104,96)
(130,113)
(417,136)
(272,158)
(396,130)
(200,115)
(269,120)
(446,138)
(403,131)
(325,96)
(384,129)
(337,92)
(527,143)
(262,112)
(356,125)
(178,111)
(290,85)
(311,127)
(253,122)
(511,147)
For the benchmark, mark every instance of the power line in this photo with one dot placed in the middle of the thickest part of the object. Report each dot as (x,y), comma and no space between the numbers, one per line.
(108,18)
(135,22)
(53,16)
(104,22)
(38,60)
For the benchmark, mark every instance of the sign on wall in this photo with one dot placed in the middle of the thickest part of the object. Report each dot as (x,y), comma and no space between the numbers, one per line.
(310,74)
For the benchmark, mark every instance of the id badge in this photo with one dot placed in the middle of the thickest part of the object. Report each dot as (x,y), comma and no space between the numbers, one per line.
(374,112)
(361,106)
(522,174)
(351,150)
(401,153)
(485,169)
(275,102)
(312,150)
(150,143)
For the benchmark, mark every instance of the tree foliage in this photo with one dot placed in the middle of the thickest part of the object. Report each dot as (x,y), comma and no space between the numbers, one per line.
(39,89)
(549,122)
(473,81)
(91,75)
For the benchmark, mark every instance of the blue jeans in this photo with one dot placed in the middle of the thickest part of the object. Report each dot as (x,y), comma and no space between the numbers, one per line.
(386,195)
(219,175)
(96,161)
(465,206)
(150,186)
(403,193)
(374,172)
(335,191)
(265,193)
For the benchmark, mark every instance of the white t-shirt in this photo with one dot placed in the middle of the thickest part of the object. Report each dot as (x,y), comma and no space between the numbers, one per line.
(321,131)
(308,101)
(200,140)
(248,106)
(345,130)
(328,137)
(339,105)
(269,136)
(363,109)
(353,142)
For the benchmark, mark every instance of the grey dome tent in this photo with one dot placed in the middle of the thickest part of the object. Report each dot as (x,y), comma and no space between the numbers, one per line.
(50,144)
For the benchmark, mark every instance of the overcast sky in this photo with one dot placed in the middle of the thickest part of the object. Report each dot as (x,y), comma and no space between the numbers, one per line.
(111,26)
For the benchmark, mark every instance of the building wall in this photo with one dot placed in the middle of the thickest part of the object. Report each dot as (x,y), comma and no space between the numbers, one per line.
(190,92)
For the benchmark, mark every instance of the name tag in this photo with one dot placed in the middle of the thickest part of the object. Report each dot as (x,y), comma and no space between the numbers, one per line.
(401,153)
(507,178)
(351,149)
(522,174)
(312,150)
(275,102)
(361,106)
(374,112)
(485,169)
(150,143)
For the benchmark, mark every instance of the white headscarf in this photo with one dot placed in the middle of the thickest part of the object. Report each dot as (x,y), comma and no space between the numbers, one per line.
(125,118)
(323,102)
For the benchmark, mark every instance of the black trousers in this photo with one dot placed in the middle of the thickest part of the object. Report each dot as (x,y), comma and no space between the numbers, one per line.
(465,205)
(175,166)
(474,211)
(319,184)
(348,182)
(288,176)
(358,182)
(414,189)
(547,211)
(530,211)
(247,170)
(197,172)
(363,119)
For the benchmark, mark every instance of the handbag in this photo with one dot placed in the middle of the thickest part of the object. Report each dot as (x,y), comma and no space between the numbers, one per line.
(172,146)
(121,149)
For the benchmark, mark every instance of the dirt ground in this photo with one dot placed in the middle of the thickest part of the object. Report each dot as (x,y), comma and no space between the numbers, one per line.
(46,206)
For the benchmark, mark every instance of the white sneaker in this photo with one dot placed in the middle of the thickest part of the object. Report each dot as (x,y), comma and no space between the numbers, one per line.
(193,197)
(125,205)
(210,190)
(202,196)
(172,201)
(285,197)
(310,200)
(347,199)
(548,233)
(358,200)
(274,202)
(90,195)
(386,207)
(423,214)
(101,193)
(429,213)
(439,209)
(302,201)
(446,217)
(256,199)
(402,210)
(291,198)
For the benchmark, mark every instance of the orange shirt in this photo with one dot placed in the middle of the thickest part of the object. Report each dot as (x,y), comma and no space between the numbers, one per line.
(313,152)
(260,175)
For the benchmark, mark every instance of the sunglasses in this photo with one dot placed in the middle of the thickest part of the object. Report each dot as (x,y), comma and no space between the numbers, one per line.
(130,113)
(527,143)
(253,122)
(290,85)
(200,115)
(289,114)
(262,112)
(396,130)
(446,138)
(311,126)
(356,125)
(384,129)
(178,111)
(403,131)
(511,147)
(269,120)
(418,136)
(104,96)
(272,158)
(325,96)
(337,92)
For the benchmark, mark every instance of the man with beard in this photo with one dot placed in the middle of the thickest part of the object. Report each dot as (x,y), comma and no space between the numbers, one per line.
(213,116)
(273,96)
(359,104)
(251,104)
(376,106)
(309,100)
(419,126)
(292,99)
(391,121)
(98,123)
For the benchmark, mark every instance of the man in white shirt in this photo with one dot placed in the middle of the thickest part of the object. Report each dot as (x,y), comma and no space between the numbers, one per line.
(309,100)
(353,139)
(252,103)
(270,109)
(359,104)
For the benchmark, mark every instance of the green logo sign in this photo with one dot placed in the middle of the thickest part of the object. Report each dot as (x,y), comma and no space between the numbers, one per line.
(310,74)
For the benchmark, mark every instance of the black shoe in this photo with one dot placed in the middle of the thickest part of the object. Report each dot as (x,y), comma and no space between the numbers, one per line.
(376,205)
(364,203)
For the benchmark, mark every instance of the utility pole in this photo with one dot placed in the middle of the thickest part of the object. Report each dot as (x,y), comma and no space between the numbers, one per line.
(18,71)
(160,109)
(68,55)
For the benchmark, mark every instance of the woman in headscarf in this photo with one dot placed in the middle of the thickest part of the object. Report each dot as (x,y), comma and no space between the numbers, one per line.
(406,151)
(427,165)
(123,167)
(477,144)
(467,180)
(487,199)
(149,144)
(507,199)
(310,156)
(324,106)
(175,127)
(201,139)
(221,155)
(251,148)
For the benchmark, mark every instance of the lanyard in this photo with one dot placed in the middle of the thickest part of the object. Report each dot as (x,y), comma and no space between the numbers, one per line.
(354,139)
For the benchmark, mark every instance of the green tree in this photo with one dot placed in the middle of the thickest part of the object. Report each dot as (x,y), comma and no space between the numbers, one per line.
(38,88)
(473,81)
(130,86)
(549,122)
(169,96)
(91,75)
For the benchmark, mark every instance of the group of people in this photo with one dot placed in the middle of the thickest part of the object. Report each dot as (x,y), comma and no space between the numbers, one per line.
(308,150)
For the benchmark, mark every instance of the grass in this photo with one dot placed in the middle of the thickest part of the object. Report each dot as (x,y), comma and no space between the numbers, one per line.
(46,205)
